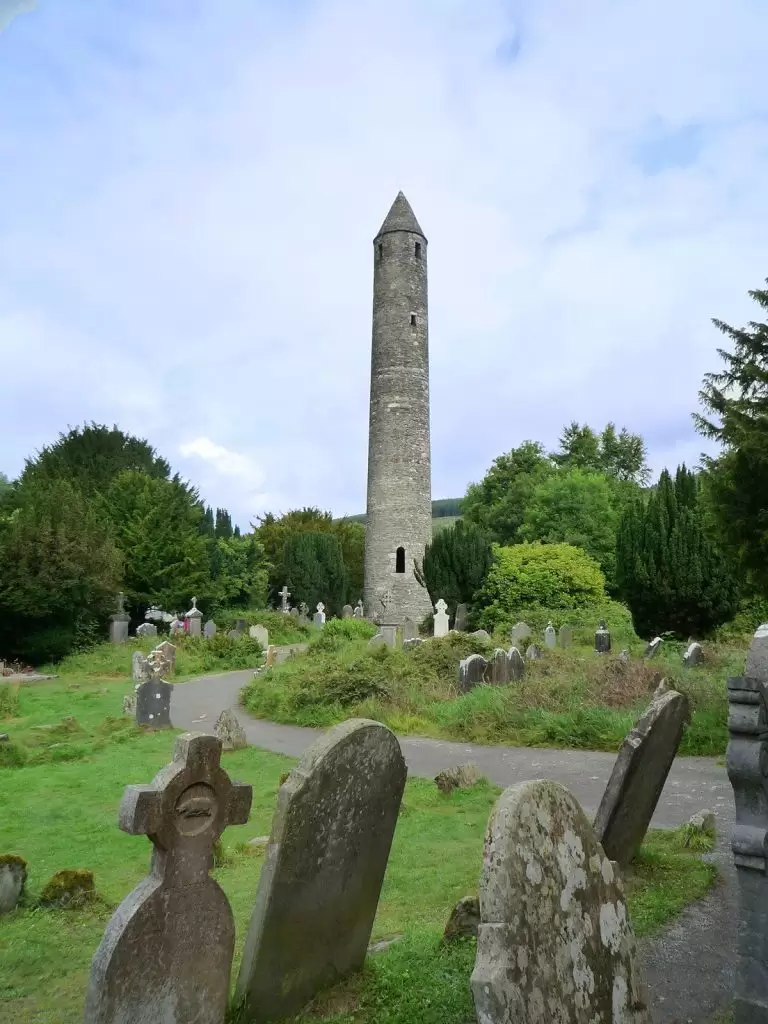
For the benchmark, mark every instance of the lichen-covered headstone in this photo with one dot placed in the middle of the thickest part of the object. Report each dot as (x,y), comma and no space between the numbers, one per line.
(260,633)
(229,730)
(693,656)
(141,670)
(460,619)
(499,668)
(554,941)
(520,631)
(638,776)
(602,638)
(129,704)
(565,636)
(533,653)
(319,887)
(653,648)
(410,631)
(440,619)
(550,637)
(147,629)
(209,629)
(516,668)
(347,611)
(153,703)
(166,954)
(168,652)
(472,672)
(13,876)
(389,632)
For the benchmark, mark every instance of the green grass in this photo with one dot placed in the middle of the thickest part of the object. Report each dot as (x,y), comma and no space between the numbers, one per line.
(64,816)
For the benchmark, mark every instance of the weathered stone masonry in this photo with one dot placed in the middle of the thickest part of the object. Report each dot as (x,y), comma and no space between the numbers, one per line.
(399,514)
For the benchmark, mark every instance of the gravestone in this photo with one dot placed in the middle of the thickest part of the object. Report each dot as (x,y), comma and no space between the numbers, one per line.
(440,619)
(389,632)
(294,613)
(304,613)
(168,652)
(347,611)
(153,703)
(146,629)
(319,887)
(638,776)
(209,629)
(240,625)
(602,638)
(533,653)
(516,664)
(377,641)
(176,626)
(194,619)
(359,611)
(13,878)
(166,954)
(565,636)
(757,657)
(653,648)
(472,672)
(554,941)
(119,623)
(318,619)
(481,634)
(234,634)
(284,595)
(519,632)
(415,642)
(260,633)
(229,730)
(410,631)
(140,668)
(129,704)
(694,656)
(550,637)
(499,668)
(460,620)
(624,657)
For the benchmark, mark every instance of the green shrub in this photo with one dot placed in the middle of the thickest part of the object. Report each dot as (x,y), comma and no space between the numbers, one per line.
(9,700)
(12,755)
(282,629)
(337,633)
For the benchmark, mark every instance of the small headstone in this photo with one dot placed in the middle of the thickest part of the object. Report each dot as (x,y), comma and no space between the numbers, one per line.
(389,632)
(176,626)
(415,642)
(602,638)
(462,776)
(194,619)
(153,704)
(294,613)
(284,595)
(141,669)
(410,631)
(168,651)
(481,634)
(533,653)
(13,877)
(319,887)
(472,672)
(624,656)
(520,631)
(638,776)
(318,619)
(240,625)
(440,619)
(554,941)
(460,620)
(662,687)
(146,629)
(209,629)
(229,730)
(499,668)
(347,611)
(359,612)
(377,641)
(694,656)
(260,633)
(550,637)
(702,823)
(167,952)
(119,623)
(129,704)
(653,648)
(516,664)
(464,920)
(565,636)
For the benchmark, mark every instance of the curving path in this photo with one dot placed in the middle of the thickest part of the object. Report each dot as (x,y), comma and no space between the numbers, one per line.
(689,966)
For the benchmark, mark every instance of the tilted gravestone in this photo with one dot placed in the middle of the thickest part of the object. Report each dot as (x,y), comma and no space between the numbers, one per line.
(260,633)
(694,656)
(550,637)
(166,954)
(499,668)
(410,631)
(229,730)
(565,637)
(520,631)
(602,638)
(460,619)
(516,664)
(153,703)
(325,862)
(473,672)
(146,629)
(209,629)
(653,648)
(347,611)
(638,776)
(554,942)
(440,619)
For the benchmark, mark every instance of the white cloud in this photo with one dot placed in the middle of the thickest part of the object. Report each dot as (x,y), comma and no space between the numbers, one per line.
(224,461)
(9,9)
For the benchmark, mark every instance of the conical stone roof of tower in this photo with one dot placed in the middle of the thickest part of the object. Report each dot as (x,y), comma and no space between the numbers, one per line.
(401,218)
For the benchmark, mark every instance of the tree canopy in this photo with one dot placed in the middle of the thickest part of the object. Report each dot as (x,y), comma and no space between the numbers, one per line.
(456,562)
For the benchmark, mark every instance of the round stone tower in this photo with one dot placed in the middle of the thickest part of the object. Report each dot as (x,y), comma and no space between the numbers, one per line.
(399,514)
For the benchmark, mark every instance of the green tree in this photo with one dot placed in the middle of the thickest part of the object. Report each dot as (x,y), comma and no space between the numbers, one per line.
(240,575)
(735,402)
(314,570)
(497,504)
(59,572)
(159,525)
(456,563)
(668,571)
(577,507)
(621,456)
(223,524)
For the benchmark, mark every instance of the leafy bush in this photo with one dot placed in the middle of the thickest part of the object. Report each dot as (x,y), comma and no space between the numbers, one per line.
(282,629)
(553,576)
(336,633)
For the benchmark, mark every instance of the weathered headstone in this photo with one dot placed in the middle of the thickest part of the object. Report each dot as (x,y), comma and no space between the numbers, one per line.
(653,648)
(140,668)
(499,668)
(284,595)
(602,638)
(415,642)
(294,613)
(472,672)
(153,703)
(565,636)
(378,641)
(389,632)
(481,634)
(461,776)
(240,625)
(166,954)
(516,664)
(194,619)
(168,651)
(347,611)
(176,626)
(694,656)
(460,619)
(550,637)
(304,613)
(638,776)
(624,657)
(519,632)
(147,629)
(229,730)
(410,631)
(533,653)
(554,941)
(319,887)
(129,704)
(318,619)
(359,612)
(271,658)
(757,657)
(209,629)
(440,619)
(234,634)
(13,877)
(260,633)
(119,623)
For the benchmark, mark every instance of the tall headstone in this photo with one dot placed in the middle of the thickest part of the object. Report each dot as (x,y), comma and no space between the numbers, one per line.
(638,776)
(554,942)
(520,631)
(319,887)
(166,954)
(284,595)
(140,667)
(209,629)
(410,630)
(565,637)
(119,623)
(460,621)
(473,672)
(499,668)
(550,637)
(260,633)
(347,611)
(516,664)
(693,656)
(303,613)
(746,761)
(153,703)
(602,638)
(318,618)
(194,618)
(440,619)
(359,612)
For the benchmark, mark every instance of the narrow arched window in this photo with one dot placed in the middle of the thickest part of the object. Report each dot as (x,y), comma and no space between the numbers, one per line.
(418,250)
(381,251)
(400,560)
(413,319)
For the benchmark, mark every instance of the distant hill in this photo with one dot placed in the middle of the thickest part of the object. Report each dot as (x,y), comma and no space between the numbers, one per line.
(448,509)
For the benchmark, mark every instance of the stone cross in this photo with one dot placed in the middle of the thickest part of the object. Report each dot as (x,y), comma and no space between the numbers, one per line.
(441,618)
(195,619)
(358,612)
(166,954)
(119,622)
(284,595)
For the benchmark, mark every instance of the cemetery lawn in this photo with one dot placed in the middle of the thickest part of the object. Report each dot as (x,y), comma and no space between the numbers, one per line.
(60,811)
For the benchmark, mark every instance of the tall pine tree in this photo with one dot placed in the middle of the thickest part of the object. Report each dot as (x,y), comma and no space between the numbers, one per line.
(456,563)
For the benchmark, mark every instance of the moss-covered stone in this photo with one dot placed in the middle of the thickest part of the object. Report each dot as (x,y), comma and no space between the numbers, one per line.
(72,887)
(13,877)
(12,755)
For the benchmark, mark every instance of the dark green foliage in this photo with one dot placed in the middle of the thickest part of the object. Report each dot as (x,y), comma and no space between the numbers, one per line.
(456,562)
(621,456)
(498,503)
(443,507)
(208,526)
(223,526)
(239,572)
(314,570)
(668,571)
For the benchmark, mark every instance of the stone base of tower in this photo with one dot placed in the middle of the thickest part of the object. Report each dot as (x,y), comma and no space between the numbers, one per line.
(402,598)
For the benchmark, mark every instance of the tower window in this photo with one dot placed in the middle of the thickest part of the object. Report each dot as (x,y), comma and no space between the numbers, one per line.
(400,560)
(381,251)
(413,319)
(418,250)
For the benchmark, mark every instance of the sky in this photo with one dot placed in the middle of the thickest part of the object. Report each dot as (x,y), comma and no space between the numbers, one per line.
(189,192)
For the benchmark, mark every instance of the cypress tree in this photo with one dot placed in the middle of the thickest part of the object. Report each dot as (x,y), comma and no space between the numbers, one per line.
(314,570)
(456,563)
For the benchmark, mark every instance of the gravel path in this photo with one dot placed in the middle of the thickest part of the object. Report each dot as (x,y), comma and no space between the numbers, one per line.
(689,966)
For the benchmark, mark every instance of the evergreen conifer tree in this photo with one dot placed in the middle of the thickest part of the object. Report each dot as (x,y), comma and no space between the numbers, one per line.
(314,570)
(456,563)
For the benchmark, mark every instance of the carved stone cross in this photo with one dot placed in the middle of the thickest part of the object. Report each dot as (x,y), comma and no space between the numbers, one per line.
(284,594)
(166,954)
(386,599)
(320,607)
(441,606)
